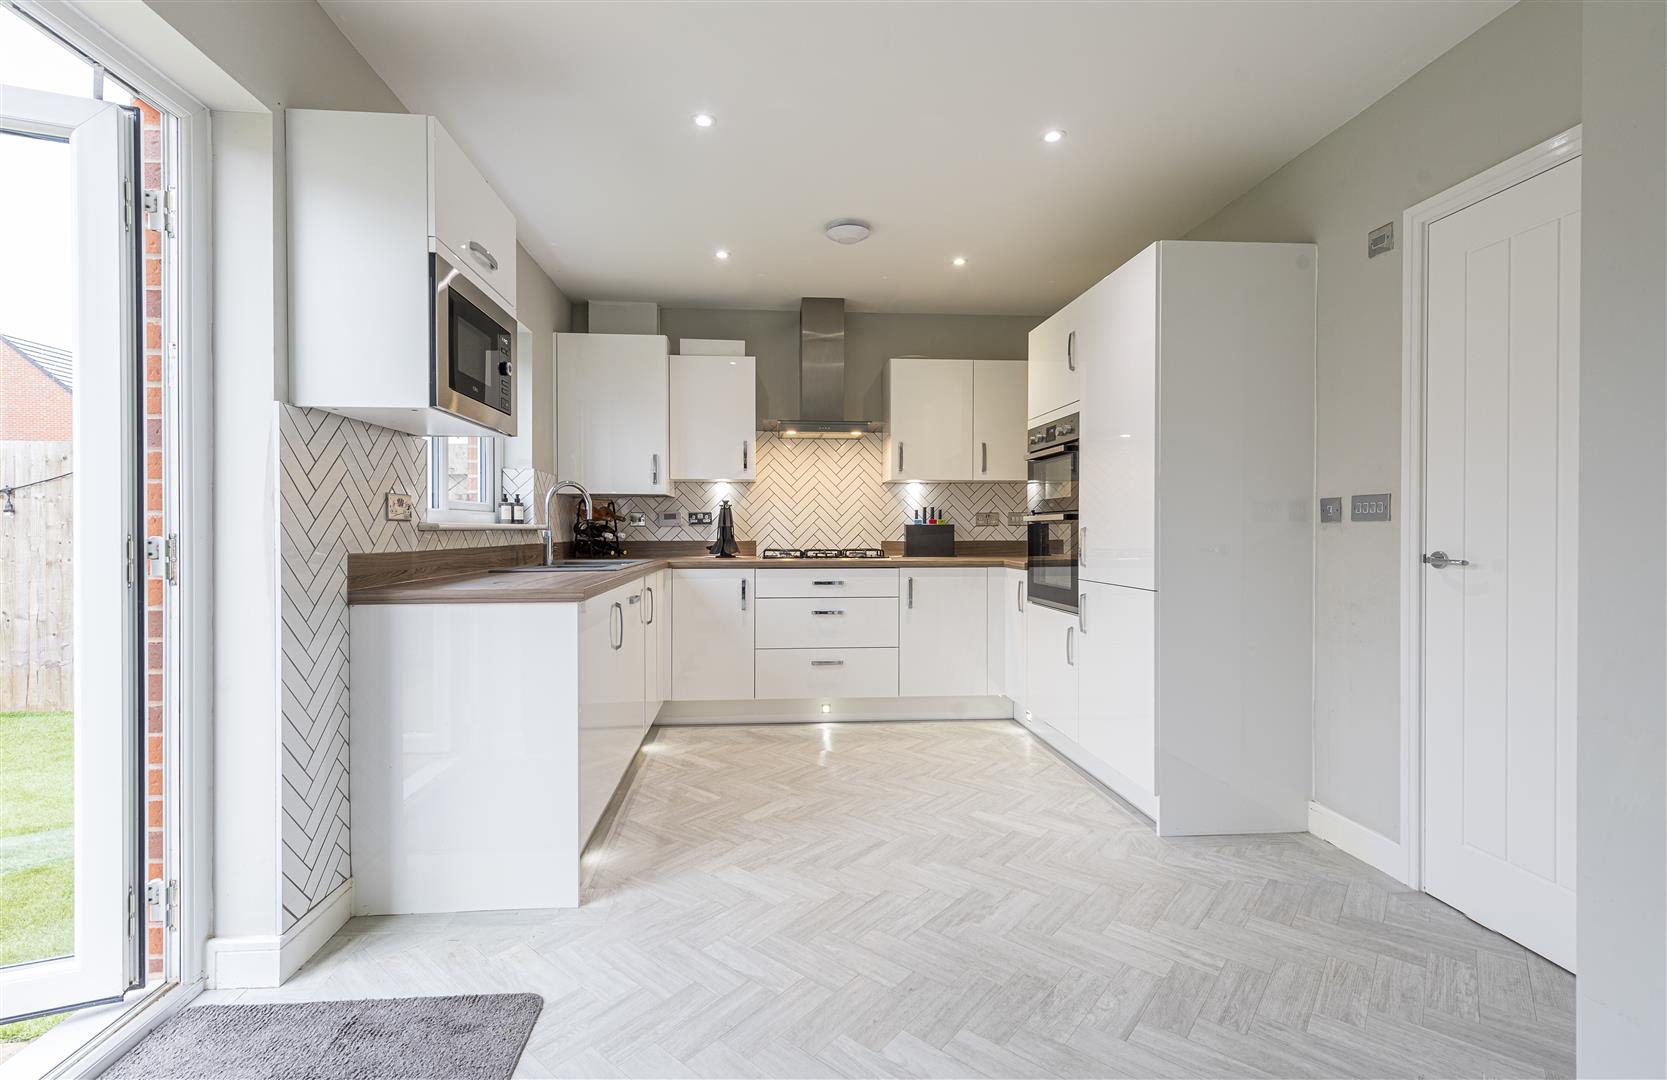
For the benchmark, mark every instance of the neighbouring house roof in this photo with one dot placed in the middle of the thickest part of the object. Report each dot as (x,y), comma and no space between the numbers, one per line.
(58,364)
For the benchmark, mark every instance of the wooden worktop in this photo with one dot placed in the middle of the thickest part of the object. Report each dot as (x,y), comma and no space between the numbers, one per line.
(464,577)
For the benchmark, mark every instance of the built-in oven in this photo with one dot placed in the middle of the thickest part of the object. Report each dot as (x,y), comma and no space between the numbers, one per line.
(1051,513)
(473,370)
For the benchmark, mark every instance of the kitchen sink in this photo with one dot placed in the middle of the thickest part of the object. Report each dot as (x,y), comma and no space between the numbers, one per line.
(571,566)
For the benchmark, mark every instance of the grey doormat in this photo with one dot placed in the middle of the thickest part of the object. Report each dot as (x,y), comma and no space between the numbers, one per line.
(479,1037)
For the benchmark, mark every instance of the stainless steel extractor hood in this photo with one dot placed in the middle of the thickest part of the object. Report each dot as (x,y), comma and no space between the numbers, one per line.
(821,376)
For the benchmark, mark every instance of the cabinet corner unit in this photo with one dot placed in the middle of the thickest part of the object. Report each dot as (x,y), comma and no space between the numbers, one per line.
(954,420)
(613,429)
(377,203)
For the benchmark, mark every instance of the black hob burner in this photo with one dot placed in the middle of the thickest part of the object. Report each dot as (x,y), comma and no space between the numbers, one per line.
(823,553)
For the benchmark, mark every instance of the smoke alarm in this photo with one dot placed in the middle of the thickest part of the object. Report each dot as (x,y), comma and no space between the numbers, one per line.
(847,231)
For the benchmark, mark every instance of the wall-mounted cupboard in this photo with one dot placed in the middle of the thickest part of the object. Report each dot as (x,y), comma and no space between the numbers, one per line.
(613,408)
(954,420)
(714,417)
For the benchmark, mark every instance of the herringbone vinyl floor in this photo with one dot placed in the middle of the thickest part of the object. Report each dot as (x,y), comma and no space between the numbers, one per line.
(951,899)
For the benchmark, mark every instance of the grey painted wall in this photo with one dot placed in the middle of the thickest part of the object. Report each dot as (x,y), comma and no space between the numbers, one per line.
(1510,85)
(870,340)
(1621,934)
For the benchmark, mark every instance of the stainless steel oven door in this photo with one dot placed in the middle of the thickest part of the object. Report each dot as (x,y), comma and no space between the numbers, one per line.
(1052,486)
(473,370)
(1052,578)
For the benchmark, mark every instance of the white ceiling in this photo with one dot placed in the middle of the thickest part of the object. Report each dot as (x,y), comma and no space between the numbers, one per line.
(923,119)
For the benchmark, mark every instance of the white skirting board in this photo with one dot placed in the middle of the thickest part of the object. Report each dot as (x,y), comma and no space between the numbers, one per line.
(810,711)
(1120,785)
(268,960)
(1352,838)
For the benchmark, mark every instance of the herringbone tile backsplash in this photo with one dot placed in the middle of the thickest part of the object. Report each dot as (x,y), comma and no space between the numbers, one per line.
(827,493)
(334,475)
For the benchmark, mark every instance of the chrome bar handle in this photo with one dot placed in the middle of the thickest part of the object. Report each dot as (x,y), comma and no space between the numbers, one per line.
(1019,595)
(649,589)
(1082,612)
(911,592)
(1440,560)
(654,469)
(827,583)
(479,249)
(984,448)
(827,663)
(1071,351)
(1071,646)
(899,457)
(1082,545)
(743,594)
(829,611)
(744,448)
(616,610)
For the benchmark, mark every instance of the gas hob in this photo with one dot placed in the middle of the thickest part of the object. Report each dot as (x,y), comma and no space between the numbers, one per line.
(822,553)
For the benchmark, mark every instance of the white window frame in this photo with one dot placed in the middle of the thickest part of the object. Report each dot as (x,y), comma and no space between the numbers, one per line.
(441,507)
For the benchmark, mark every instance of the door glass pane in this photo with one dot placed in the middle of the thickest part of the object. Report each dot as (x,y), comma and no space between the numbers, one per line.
(37,593)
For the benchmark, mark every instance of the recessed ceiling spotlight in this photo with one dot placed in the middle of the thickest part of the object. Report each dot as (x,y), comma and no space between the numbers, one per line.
(720,254)
(1053,135)
(705,119)
(959,260)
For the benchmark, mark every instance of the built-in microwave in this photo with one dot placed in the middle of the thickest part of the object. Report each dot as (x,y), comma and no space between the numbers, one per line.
(1051,513)
(473,351)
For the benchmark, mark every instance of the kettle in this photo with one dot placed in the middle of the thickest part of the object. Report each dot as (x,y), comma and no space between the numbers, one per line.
(724,547)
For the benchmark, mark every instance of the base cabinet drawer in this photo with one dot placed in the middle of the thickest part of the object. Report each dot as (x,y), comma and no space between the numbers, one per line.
(851,622)
(826,581)
(812,673)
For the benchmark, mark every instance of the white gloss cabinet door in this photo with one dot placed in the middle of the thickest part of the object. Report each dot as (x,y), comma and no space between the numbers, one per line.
(1117,656)
(652,612)
(928,419)
(941,632)
(712,634)
(613,405)
(1013,613)
(1051,668)
(1054,369)
(474,225)
(714,417)
(995,632)
(1118,465)
(610,697)
(999,420)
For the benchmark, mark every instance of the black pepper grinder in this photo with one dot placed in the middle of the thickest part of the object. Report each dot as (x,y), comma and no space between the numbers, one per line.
(724,547)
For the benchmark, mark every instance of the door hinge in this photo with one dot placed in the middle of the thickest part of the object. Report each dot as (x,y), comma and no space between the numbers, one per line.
(159,210)
(162,557)
(162,902)
(132,557)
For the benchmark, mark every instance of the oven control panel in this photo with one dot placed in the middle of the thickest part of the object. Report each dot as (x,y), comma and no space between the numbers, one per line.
(1047,436)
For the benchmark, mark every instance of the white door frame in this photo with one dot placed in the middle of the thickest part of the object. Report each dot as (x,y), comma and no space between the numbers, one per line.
(1415,224)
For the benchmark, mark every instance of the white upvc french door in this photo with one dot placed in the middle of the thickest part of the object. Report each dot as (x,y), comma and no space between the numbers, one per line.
(103,959)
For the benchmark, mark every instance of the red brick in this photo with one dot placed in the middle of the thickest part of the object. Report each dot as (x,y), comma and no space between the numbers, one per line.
(153,781)
(153,814)
(153,270)
(153,496)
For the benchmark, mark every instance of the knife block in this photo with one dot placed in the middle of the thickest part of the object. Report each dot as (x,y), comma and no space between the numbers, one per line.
(931,541)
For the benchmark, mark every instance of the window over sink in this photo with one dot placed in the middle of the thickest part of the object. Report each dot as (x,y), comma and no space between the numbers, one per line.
(463,478)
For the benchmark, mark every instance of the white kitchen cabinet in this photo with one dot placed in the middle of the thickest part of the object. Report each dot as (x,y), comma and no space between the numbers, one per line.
(468,219)
(999,420)
(1055,368)
(712,634)
(1116,532)
(827,673)
(826,582)
(995,632)
(714,417)
(1012,611)
(655,613)
(818,622)
(928,419)
(1117,719)
(611,692)
(942,636)
(613,405)
(1051,668)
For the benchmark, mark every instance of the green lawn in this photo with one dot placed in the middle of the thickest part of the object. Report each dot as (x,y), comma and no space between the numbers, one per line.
(37,870)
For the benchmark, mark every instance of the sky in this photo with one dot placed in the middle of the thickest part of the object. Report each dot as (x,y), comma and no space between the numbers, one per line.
(36,212)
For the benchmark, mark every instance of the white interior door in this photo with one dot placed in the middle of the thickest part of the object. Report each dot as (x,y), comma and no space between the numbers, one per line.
(1500,487)
(95,957)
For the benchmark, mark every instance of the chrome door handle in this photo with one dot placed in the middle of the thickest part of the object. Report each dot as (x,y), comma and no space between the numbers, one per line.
(1082,545)
(637,599)
(743,454)
(1071,351)
(654,469)
(477,248)
(1440,560)
(1019,594)
(1071,646)
(743,594)
(827,663)
(899,457)
(984,448)
(911,592)
(829,611)
(649,589)
(1082,612)
(616,610)
(827,583)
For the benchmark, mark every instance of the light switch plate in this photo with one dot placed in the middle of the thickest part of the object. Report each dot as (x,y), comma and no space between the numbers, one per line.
(1016,517)
(700,517)
(988,517)
(666,518)
(1381,240)
(1369,507)
(636,519)
(399,506)
(1331,510)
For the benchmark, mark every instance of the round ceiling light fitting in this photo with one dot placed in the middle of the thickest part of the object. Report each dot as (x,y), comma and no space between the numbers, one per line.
(848,231)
